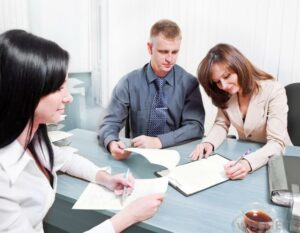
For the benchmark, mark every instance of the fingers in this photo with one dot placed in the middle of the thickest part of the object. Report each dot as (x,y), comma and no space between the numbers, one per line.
(130,184)
(146,142)
(234,172)
(203,150)
(197,153)
(121,182)
(157,199)
(137,142)
(121,145)
(158,196)
(208,152)
(117,150)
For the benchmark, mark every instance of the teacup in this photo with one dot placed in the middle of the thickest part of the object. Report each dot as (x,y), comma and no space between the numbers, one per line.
(258,218)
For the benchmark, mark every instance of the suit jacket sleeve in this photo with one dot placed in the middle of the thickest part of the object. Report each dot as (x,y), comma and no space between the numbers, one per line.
(117,113)
(276,129)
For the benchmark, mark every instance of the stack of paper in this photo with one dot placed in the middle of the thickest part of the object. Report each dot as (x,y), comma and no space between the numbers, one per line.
(56,135)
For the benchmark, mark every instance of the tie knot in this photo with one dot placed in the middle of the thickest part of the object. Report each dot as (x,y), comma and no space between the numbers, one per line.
(159,83)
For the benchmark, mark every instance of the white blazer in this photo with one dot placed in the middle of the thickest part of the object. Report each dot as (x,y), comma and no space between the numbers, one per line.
(26,194)
(265,122)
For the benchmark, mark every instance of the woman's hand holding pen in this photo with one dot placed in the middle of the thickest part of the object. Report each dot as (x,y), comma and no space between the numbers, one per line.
(238,170)
(115,183)
(202,150)
(139,210)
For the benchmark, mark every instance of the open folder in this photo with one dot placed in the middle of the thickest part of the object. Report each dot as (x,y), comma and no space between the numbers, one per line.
(196,176)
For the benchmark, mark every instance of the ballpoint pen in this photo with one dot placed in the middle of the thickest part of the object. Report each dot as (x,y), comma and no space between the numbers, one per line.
(124,195)
(241,157)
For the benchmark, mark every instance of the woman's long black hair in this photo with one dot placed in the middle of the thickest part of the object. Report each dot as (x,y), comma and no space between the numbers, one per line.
(30,68)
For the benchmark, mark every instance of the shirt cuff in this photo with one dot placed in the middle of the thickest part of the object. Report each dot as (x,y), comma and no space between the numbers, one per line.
(108,140)
(105,227)
(167,139)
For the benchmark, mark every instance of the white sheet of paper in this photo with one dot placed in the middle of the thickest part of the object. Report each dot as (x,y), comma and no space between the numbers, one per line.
(198,175)
(96,197)
(69,149)
(164,157)
(58,135)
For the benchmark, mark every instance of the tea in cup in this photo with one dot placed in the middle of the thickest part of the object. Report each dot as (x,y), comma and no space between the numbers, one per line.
(258,219)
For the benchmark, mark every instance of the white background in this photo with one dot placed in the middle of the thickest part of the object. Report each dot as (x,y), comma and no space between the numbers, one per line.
(108,37)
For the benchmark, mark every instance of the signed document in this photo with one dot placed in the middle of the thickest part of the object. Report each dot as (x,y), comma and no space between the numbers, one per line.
(196,176)
(96,197)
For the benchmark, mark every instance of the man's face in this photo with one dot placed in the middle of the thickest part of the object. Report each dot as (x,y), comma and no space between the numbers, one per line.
(164,53)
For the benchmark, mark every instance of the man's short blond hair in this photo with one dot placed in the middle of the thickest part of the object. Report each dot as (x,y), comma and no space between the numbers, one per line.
(166,27)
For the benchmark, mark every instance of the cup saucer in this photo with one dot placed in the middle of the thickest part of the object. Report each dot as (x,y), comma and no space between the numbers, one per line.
(238,226)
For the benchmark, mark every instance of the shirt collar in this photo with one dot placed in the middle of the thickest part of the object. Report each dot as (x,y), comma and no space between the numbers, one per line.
(13,160)
(151,76)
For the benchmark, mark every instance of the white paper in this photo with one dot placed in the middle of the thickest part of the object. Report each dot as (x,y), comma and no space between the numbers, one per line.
(69,149)
(62,117)
(58,135)
(96,197)
(52,127)
(166,158)
(198,175)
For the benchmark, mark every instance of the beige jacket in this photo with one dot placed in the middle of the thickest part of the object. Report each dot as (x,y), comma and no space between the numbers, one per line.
(265,122)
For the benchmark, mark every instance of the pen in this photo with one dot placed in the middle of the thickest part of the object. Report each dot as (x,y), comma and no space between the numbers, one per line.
(124,195)
(242,156)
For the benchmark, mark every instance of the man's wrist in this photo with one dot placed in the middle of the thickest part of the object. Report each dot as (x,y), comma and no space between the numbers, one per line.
(109,145)
(158,143)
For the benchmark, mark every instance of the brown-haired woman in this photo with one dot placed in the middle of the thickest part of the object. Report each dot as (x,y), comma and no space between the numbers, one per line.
(249,99)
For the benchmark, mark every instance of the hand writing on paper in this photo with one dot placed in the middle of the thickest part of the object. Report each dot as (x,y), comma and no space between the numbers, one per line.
(139,210)
(238,170)
(146,142)
(116,183)
(116,149)
(202,150)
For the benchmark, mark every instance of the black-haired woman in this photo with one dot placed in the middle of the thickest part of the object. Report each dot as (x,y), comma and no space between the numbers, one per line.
(33,92)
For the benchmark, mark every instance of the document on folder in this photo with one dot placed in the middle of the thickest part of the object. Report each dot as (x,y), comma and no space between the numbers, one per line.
(196,176)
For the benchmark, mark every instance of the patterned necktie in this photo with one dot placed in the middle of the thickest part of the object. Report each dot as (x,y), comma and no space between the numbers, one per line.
(159,109)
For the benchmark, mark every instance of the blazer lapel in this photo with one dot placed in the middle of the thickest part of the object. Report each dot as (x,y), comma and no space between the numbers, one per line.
(234,112)
(255,112)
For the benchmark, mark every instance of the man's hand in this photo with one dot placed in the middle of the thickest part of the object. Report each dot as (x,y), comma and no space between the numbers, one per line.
(146,142)
(116,149)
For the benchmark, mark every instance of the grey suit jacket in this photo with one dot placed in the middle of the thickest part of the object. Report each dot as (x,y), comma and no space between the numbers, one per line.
(265,122)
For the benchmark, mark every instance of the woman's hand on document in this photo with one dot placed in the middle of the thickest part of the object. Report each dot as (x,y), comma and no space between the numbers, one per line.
(202,150)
